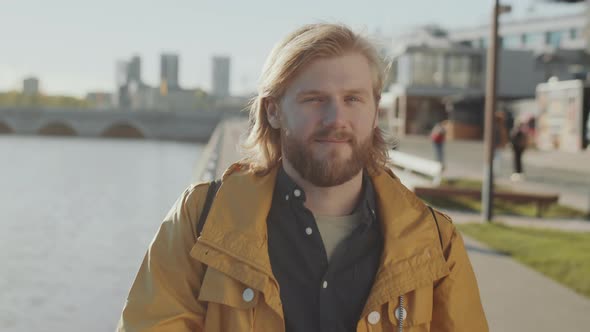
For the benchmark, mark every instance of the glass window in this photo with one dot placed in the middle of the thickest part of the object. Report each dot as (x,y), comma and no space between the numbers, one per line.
(513,41)
(466,43)
(427,69)
(458,70)
(476,72)
(554,37)
(574,33)
(533,39)
(404,69)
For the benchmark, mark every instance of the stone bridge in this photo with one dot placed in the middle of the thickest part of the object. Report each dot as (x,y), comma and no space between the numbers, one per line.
(194,126)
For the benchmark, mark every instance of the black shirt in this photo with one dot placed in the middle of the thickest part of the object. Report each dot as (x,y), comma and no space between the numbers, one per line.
(318,296)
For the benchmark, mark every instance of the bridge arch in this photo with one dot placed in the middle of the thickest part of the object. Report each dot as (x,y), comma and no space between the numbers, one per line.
(5,128)
(122,130)
(57,129)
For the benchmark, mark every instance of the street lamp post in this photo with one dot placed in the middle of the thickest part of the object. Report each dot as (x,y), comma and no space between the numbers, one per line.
(490,108)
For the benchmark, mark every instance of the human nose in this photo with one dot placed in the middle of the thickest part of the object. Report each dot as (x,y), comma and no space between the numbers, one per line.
(334,114)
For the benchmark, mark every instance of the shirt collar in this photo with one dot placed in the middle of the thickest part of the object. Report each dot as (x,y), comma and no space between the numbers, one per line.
(286,188)
(287,191)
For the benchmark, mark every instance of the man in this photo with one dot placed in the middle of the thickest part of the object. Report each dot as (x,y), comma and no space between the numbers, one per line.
(311,231)
(518,140)
(437,136)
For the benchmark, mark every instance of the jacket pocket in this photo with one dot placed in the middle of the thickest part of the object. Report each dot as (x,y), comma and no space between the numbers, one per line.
(418,308)
(220,288)
(230,304)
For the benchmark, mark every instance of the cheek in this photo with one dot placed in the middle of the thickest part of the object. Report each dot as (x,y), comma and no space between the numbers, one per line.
(363,125)
(302,125)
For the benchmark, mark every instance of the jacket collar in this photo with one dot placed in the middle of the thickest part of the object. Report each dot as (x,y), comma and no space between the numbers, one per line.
(234,238)
(237,219)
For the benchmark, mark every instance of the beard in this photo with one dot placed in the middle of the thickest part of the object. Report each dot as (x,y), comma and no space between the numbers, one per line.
(332,169)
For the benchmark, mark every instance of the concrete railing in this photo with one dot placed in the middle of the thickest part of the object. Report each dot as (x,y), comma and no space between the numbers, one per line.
(206,167)
(417,165)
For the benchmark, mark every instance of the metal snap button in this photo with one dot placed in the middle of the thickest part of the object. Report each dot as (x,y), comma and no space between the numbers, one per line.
(374,317)
(248,295)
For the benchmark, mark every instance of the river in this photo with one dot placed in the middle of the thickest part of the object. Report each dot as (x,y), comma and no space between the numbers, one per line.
(76,218)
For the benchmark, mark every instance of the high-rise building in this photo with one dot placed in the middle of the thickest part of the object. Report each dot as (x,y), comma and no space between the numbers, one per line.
(122,98)
(169,72)
(121,73)
(134,69)
(221,69)
(31,86)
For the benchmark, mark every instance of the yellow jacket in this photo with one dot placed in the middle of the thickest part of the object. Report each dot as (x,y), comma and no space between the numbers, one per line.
(223,280)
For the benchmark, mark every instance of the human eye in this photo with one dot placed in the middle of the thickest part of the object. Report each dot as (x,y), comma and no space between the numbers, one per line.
(313,99)
(353,99)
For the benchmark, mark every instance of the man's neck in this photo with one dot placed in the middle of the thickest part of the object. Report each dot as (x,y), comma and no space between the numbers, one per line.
(337,200)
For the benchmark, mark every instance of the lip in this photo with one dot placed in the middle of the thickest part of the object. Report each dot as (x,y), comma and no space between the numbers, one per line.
(331,141)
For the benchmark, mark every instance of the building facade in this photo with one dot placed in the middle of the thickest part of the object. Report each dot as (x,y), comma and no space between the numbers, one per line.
(537,34)
(221,76)
(169,71)
(430,65)
(134,69)
(31,86)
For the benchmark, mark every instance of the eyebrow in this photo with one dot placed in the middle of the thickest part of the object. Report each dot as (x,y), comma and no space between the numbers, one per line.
(363,92)
(308,93)
(305,93)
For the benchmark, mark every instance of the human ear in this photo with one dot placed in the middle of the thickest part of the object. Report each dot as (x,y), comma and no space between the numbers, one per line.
(272,114)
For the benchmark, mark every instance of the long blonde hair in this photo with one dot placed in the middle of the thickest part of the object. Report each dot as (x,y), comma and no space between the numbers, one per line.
(261,146)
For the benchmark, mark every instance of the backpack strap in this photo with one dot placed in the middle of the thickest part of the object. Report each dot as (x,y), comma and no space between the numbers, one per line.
(213,187)
(437,228)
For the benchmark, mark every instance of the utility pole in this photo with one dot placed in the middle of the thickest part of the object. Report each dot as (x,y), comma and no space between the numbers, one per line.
(487,193)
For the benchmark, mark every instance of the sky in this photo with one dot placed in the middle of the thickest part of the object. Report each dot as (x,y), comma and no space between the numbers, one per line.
(72,45)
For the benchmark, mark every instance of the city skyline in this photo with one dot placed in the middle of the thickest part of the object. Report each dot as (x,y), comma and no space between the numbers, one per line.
(83,57)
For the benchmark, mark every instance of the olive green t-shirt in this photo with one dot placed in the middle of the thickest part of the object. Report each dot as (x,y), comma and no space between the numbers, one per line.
(335,229)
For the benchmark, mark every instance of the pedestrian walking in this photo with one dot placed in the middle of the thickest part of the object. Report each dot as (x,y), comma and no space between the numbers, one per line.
(438,137)
(518,140)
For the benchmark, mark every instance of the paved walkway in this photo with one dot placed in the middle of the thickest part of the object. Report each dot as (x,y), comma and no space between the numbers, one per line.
(567,174)
(515,297)
(519,299)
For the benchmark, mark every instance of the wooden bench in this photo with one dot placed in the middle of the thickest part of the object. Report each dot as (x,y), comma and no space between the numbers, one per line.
(422,166)
(542,200)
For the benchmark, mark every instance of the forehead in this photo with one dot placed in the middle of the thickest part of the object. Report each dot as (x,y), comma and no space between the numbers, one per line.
(345,72)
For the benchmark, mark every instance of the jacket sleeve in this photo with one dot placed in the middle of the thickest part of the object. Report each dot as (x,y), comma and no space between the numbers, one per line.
(457,304)
(164,295)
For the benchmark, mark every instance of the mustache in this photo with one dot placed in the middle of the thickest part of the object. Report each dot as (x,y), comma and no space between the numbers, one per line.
(335,134)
